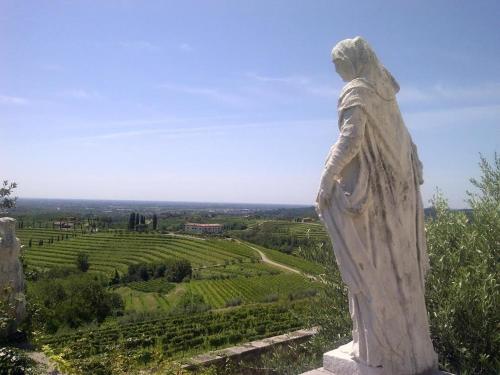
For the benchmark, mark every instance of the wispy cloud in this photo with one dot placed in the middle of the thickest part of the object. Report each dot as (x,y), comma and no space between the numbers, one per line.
(306,84)
(13,100)
(82,94)
(209,92)
(140,45)
(193,131)
(293,80)
(487,92)
(454,117)
(186,47)
(51,67)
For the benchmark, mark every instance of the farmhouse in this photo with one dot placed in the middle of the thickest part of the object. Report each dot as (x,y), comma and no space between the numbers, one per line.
(203,228)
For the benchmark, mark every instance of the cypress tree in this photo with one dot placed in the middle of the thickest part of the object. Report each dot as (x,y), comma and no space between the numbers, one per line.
(155,222)
(131,221)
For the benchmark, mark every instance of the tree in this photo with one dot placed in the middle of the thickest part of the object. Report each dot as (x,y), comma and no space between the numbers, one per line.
(136,219)
(178,270)
(6,190)
(131,221)
(155,222)
(116,278)
(82,261)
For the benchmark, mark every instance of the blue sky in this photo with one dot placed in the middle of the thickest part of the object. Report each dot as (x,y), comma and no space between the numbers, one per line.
(231,101)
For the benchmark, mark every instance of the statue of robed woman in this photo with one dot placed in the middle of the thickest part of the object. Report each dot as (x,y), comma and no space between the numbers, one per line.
(370,203)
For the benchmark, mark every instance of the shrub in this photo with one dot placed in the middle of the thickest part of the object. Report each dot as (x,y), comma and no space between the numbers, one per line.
(273,297)
(82,261)
(191,303)
(15,362)
(463,295)
(70,302)
(234,302)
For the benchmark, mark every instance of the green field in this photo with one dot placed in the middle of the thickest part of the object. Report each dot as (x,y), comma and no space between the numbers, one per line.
(112,250)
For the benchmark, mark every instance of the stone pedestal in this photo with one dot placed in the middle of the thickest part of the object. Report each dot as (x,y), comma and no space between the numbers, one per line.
(340,362)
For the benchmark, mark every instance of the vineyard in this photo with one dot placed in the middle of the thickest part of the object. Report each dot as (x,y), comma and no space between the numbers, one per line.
(299,230)
(178,335)
(247,298)
(113,250)
(250,290)
(154,295)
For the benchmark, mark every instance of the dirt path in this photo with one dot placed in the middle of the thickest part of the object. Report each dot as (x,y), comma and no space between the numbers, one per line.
(45,364)
(265,259)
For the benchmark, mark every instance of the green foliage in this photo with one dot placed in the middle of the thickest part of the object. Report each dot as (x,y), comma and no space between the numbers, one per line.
(15,362)
(170,337)
(73,301)
(234,302)
(7,314)
(82,261)
(155,222)
(6,191)
(463,293)
(174,270)
(191,303)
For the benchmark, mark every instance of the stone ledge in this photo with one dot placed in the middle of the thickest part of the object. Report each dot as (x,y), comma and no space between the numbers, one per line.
(248,349)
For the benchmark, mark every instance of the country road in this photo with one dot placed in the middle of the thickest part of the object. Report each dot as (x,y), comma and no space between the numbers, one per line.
(265,259)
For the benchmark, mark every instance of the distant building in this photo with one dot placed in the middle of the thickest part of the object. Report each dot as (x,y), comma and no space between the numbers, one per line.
(62,225)
(308,220)
(203,228)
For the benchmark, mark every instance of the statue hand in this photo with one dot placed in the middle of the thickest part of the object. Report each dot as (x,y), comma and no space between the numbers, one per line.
(326,189)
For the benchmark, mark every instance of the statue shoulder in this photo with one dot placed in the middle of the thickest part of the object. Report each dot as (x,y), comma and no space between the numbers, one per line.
(358,92)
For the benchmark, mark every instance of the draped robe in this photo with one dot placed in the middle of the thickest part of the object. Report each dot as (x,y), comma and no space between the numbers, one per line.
(375,220)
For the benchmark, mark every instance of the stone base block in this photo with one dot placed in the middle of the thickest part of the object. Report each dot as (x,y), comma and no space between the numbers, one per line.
(340,362)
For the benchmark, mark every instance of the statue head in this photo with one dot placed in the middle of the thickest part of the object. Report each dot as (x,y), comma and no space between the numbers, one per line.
(354,58)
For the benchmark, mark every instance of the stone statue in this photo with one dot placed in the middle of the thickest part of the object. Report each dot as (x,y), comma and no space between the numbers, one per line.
(370,203)
(11,272)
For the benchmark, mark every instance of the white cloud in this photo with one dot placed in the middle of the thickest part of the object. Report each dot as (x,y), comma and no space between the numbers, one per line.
(13,100)
(186,47)
(140,45)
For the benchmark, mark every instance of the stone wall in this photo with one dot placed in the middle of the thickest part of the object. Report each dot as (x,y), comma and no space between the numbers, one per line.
(11,271)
